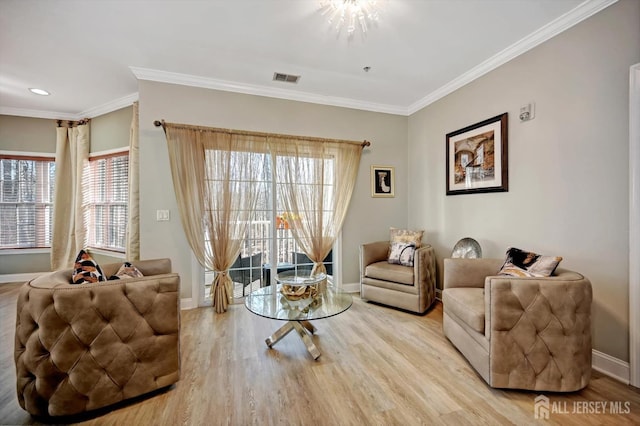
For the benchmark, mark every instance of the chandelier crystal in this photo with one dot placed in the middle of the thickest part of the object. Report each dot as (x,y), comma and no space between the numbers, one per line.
(350,14)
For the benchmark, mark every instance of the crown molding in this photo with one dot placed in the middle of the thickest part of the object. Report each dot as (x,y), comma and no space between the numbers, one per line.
(34,113)
(108,107)
(249,89)
(553,28)
(105,108)
(564,22)
(581,12)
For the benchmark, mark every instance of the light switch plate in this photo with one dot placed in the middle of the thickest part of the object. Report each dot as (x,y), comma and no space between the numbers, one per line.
(162,215)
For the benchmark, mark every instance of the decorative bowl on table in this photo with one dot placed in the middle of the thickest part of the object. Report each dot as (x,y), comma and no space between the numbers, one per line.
(299,292)
(299,285)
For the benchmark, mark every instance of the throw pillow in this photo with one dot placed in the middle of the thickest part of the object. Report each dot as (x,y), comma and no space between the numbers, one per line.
(405,236)
(127,270)
(520,263)
(86,270)
(402,253)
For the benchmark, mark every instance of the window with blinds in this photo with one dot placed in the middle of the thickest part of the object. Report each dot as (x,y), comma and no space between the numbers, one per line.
(106,199)
(26,201)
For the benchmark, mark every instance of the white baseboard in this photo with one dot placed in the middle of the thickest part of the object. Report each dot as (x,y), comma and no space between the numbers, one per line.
(611,366)
(16,278)
(351,287)
(187,303)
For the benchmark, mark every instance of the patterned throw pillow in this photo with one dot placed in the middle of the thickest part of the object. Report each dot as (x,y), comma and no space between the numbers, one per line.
(402,253)
(405,236)
(520,263)
(86,270)
(127,270)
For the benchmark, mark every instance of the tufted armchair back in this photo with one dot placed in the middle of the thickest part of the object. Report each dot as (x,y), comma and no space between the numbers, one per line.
(540,331)
(522,333)
(85,346)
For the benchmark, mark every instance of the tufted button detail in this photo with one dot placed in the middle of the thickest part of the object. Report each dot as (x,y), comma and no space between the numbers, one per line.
(532,329)
(89,346)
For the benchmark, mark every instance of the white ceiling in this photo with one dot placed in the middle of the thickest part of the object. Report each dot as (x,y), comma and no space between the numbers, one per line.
(89,53)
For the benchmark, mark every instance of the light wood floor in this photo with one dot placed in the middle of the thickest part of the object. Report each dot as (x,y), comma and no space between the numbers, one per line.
(379,366)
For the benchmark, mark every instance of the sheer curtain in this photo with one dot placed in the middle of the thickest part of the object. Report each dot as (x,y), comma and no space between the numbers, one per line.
(315,182)
(216,176)
(68,230)
(133,218)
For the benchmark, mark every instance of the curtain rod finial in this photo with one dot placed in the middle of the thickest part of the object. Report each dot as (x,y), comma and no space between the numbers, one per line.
(366,143)
(157,123)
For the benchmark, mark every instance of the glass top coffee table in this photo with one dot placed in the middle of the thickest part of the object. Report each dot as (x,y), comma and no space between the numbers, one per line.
(298,298)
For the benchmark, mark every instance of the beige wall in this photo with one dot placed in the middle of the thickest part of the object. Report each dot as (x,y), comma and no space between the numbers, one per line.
(368,218)
(111,131)
(27,134)
(568,168)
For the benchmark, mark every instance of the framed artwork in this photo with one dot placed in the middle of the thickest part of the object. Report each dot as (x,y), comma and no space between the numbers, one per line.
(477,158)
(382,181)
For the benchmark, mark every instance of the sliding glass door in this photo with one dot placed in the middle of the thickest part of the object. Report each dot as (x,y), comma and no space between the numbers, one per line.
(269,245)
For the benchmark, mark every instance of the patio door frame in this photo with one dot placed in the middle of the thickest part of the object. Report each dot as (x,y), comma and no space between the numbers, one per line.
(198,284)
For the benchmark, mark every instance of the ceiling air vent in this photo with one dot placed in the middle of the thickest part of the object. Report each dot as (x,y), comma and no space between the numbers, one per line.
(287,78)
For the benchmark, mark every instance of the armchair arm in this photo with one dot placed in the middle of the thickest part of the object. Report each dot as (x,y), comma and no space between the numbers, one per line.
(373,252)
(424,271)
(424,266)
(147,267)
(539,331)
(469,272)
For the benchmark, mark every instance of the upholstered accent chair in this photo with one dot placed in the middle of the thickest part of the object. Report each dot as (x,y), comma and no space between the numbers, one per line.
(521,333)
(412,288)
(79,347)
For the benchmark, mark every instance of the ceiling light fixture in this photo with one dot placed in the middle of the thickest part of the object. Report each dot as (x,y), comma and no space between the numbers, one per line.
(350,13)
(40,92)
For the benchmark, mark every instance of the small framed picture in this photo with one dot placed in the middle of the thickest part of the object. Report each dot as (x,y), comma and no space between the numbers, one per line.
(382,181)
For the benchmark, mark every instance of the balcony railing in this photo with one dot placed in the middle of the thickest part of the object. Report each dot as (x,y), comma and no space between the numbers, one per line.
(258,241)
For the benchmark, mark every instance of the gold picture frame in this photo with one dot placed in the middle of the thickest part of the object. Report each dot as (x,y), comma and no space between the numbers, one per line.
(382,182)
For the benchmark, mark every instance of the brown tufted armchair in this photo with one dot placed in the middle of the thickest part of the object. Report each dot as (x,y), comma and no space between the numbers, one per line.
(404,287)
(521,333)
(85,346)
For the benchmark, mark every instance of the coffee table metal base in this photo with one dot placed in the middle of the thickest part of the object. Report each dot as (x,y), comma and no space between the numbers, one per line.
(304,328)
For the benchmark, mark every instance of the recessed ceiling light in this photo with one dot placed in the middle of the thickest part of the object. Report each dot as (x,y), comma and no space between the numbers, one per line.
(39,91)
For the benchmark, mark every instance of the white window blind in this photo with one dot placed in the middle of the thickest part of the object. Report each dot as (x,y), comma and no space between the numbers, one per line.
(106,199)
(26,201)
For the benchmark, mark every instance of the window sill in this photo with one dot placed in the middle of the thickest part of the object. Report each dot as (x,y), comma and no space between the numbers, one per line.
(105,252)
(14,251)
